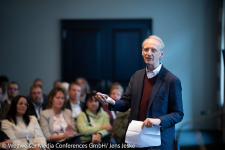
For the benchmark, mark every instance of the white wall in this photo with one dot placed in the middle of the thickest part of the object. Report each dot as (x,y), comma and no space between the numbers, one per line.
(30,41)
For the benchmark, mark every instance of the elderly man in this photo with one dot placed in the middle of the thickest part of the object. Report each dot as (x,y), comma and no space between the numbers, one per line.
(153,94)
(36,105)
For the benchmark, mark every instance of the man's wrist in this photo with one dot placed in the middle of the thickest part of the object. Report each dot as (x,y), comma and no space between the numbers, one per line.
(159,121)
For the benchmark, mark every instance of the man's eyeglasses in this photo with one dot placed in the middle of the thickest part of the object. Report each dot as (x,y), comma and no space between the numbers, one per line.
(21,103)
(15,89)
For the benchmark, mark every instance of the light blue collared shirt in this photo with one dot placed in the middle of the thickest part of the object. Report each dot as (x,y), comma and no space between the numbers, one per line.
(151,74)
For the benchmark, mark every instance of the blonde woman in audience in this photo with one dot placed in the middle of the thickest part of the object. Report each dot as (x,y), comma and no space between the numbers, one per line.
(23,130)
(115,92)
(56,122)
(120,122)
(93,123)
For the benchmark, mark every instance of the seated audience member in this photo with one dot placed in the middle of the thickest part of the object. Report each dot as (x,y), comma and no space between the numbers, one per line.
(56,83)
(36,105)
(121,119)
(74,103)
(57,122)
(93,123)
(85,88)
(3,108)
(120,125)
(65,86)
(4,141)
(4,81)
(12,91)
(39,82)
(22,129)
(115,92)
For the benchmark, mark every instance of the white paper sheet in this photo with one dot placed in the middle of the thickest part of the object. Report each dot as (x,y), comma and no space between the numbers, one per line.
(145,137)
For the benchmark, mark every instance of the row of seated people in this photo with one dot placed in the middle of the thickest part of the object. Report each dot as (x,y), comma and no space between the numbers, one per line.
(58,124)
(5,93)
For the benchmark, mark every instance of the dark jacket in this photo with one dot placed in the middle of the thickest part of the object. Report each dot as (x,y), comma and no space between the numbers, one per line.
(32,111)
(4,110)
(165,103)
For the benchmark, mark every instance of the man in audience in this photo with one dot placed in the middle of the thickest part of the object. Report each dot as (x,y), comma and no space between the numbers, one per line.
(36,105)
(12,91)
(85,88)
(39,82)
(56,83)
(4,81)
(65,86)
(74,103)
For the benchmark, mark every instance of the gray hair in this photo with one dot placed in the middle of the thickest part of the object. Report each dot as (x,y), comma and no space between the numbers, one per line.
(156,38)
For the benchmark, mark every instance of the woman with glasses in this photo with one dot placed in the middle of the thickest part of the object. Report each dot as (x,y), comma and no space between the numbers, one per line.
(23,130)
(57,122)
(93,123)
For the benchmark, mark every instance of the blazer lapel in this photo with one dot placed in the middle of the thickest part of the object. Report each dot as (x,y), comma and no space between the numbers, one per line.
(51,119)
(140,86)
(157,85)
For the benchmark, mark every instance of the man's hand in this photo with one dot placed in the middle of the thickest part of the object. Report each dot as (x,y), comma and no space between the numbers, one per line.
(104,99)
(150,122)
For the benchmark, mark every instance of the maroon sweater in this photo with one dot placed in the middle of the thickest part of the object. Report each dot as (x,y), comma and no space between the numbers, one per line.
(146,94)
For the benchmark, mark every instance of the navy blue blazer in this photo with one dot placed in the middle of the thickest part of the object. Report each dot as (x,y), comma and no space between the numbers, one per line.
(32,111)
(165,103)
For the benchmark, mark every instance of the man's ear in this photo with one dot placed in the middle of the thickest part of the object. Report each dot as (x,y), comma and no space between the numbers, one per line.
(162,54)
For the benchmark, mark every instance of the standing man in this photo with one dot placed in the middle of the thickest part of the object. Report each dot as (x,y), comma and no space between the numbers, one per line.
(36,105)
(153,94)
(73,102)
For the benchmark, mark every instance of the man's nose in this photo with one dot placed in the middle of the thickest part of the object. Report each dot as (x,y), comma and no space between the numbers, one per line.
(150,52)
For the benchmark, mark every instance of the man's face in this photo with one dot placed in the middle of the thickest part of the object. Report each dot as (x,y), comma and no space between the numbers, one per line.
(36,94)
(151,52)
(4,86)
(74,92)
(39,83)
(13,90)
(57,84)
(81,83)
